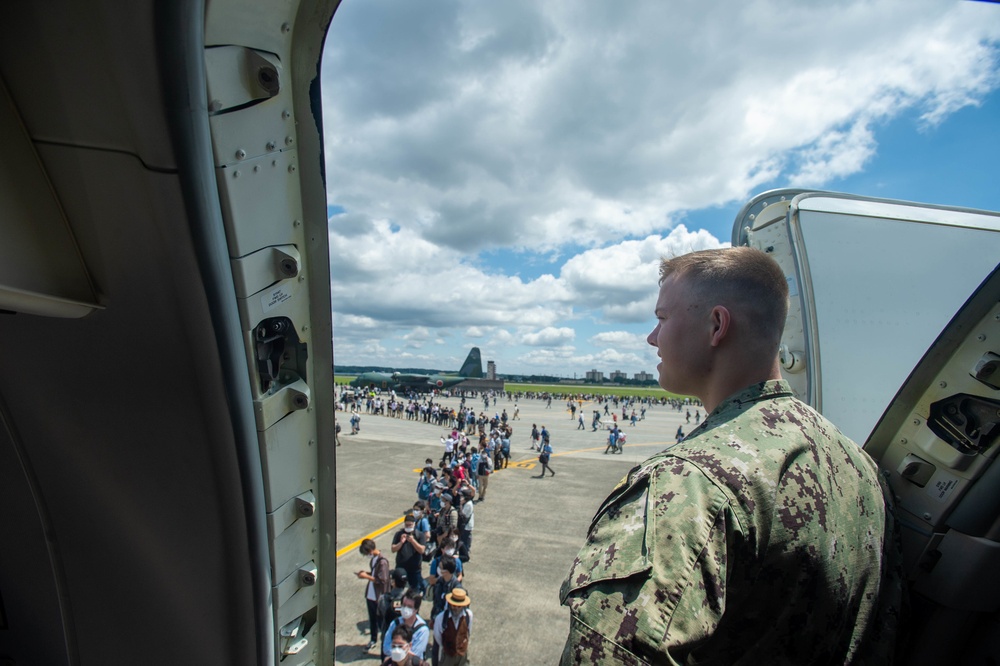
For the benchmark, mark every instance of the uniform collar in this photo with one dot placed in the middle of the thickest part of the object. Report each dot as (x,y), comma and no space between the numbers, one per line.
(773,388)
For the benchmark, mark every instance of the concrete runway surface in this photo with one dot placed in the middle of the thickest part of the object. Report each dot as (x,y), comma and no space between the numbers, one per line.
(526,533)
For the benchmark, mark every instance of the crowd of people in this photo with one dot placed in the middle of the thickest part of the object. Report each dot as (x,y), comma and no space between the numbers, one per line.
(464,422)
(430,554)
(437,533)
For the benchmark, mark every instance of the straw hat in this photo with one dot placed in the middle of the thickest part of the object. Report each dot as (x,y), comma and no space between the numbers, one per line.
(457,597)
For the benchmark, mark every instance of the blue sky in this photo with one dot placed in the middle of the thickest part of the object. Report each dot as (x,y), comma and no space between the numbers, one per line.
(506,175)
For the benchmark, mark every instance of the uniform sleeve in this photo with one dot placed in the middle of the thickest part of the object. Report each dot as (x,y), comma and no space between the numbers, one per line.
(649,585)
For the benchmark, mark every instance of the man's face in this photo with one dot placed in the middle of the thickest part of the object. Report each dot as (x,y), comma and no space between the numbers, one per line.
(683,328)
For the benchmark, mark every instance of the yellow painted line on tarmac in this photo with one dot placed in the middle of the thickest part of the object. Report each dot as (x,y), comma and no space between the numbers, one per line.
(379,532)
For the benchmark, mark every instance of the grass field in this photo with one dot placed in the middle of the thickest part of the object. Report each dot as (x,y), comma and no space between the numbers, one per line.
(565,389)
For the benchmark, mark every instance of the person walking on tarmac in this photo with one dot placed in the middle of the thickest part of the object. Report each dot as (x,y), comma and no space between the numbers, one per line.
(544,458)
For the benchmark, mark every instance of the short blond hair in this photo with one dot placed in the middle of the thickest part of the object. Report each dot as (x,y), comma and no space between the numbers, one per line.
(742,279)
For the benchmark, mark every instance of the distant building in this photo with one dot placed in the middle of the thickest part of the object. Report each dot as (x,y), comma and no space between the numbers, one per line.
(618,374)
(491,370)
(595,376)
(643,377)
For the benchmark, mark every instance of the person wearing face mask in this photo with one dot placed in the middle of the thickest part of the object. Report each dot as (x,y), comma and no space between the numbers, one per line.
(422,517)
(378,584)
(409,545)
(449,550)
(445,583)
(452,628)
(447,516)
(390,602)
(409,616)
(400,650)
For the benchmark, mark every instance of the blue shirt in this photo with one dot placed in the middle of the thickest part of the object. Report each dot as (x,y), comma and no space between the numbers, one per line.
(437,558)
(421,636)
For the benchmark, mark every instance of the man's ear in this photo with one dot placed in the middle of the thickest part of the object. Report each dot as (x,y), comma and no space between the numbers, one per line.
(720,320)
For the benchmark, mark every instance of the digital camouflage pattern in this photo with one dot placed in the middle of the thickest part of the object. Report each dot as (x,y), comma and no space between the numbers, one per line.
(756,540)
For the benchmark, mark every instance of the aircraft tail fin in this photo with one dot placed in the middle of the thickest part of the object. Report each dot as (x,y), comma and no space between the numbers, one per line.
(473,366)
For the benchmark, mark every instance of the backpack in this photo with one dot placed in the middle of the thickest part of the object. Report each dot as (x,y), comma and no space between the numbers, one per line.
(388,608)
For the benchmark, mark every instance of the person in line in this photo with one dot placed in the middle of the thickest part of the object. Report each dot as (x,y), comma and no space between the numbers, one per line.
(378,584)
(445,583)
(422,520)
(425,482)
(409,545)
(766,536)
(451,545)
(448,551)
(401,649)
(448,441)
(409,616)
(505,434)
(484,470)
(466,520)
(452,628)
(390,602)
(447,516)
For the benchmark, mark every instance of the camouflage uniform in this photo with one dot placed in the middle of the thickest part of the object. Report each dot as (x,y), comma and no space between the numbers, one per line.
(758,539)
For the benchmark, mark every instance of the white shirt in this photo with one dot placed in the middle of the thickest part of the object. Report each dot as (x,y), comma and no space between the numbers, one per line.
(467,511)
(439,623)
(370,591)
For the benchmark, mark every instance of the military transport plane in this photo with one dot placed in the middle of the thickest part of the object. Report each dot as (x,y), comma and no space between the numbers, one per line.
(473,367)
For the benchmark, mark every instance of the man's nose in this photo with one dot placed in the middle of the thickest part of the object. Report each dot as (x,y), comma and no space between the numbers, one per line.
(651,338)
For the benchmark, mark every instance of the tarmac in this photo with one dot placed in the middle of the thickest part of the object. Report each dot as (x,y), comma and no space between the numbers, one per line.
(527,531)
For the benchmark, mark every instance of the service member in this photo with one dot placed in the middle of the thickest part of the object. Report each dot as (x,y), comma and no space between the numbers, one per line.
(766,535)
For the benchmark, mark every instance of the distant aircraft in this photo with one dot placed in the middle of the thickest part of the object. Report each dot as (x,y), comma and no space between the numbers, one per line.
(473,367)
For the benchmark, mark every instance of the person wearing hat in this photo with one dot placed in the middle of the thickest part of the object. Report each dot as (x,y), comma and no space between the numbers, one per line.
(390,602)
(447,516)
(452,628)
